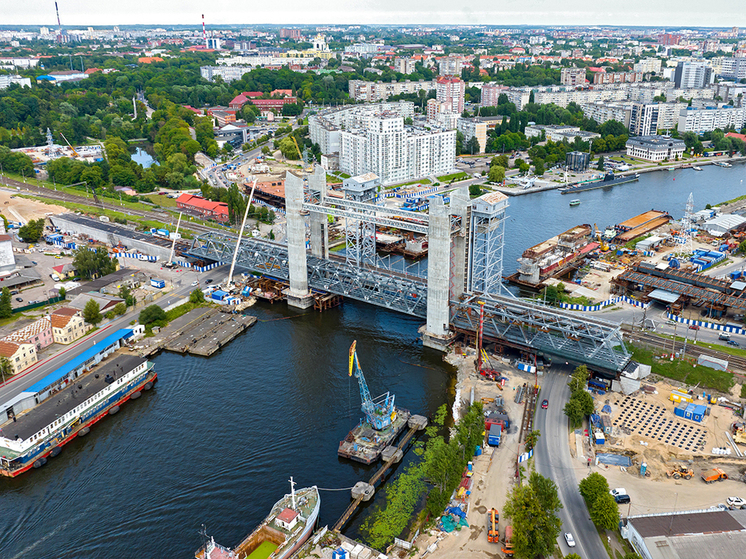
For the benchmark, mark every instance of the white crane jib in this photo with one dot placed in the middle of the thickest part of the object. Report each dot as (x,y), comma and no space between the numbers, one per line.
(229,282)
(173,243)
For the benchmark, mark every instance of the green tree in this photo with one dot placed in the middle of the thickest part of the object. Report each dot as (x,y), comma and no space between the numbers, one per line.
(126,294)
(6,308)
(32,231)
(475,190)
(196,296)
(472,146)
(91,264)
(6,368)
(532,438)
(119,309)
(152,315)
(92,312)
(605,512)
(500,160)
(742,247)
(579,379)
(592,487)
(572,556)
(62,292)
(497,173)
(533,509)
(538,167)
(600,165)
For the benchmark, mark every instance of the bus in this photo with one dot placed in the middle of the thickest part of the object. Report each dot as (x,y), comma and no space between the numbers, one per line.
(493,522)
(508,543)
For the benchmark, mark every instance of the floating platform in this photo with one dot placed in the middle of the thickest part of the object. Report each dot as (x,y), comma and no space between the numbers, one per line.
(365,444)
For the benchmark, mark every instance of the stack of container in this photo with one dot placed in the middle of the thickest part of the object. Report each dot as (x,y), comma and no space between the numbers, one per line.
(694,412)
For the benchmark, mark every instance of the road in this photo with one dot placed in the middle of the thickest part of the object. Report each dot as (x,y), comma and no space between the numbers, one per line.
(19,383)
(553,460)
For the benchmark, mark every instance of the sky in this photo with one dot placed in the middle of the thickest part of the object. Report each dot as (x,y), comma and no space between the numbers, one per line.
(658,13)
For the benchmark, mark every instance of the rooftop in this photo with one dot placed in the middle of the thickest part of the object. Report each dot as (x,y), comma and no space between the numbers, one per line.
(31,330)
(656,141)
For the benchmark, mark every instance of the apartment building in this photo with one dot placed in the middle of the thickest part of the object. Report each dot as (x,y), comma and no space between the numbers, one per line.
(473,128)
(404,65)
(450,91)
(648,65)
(647,118)
(707,119)
(614,110)
(572,76)
(655,148)
(491,94)
(560,132)
(450,66)
(601,78)
(692,74)
(372,92)
(20,355)
(733,68)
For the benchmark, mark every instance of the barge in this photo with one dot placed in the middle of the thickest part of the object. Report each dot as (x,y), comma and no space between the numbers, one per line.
(608,180)
(287,527)
(30,438)
(365,444)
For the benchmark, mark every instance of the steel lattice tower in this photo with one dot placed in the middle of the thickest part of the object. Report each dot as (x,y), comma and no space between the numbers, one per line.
(486,240)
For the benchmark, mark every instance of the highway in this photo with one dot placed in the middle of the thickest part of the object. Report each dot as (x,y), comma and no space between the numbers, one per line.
(553,460)
(20,382)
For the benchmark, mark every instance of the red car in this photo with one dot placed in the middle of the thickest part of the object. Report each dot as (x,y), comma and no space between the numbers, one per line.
(545,404)
(693,327)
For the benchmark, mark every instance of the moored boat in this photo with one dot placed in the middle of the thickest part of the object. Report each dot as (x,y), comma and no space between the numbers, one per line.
(282,533)
(575,202)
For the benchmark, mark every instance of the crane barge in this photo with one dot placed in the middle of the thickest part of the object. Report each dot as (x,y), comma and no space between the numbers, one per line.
(382,424)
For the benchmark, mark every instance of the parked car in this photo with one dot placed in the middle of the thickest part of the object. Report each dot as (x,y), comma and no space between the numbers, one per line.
(724,337)
(208,280)
(545,404)
(735,502)
(693,327)
(622,499)
(195,283)
(19,299)
(732,342)
(569,539)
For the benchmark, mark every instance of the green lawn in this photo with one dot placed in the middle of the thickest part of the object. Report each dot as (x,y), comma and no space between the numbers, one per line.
(453,177)
(731,201)
(163,201)
(684,371)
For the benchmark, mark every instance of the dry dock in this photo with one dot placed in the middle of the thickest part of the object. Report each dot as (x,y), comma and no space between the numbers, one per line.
(201,331)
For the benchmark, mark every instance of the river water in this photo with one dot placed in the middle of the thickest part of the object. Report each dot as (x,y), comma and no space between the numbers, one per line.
(219,437)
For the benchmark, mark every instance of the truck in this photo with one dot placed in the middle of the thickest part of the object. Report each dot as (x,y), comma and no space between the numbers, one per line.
(507,548)
(493,526)
(715,474)
(494,435)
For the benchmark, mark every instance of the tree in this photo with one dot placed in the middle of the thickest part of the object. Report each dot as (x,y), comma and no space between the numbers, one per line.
(126,294)
(119,309)
(605,512)
(472,146)
(574,412)
(32,231)
(592,487)
(533,510)
(151,315)
(6,367)
(600,165)
(6,308)
(579,379)
(497,173)
(92,312)
(196,296)
(538,167)
(531,439)
(475,190)
(62,292)
(585,400)
(91,264)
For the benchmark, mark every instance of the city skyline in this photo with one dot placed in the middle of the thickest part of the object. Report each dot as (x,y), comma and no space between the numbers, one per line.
(638,13)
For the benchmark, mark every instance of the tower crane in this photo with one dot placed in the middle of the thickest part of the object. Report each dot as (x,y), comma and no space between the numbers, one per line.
(379,412)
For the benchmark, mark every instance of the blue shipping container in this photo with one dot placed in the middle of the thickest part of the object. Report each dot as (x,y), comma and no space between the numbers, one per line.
(494,436)
(159,283)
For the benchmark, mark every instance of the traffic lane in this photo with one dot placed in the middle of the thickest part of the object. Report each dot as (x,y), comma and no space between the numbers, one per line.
(553,460)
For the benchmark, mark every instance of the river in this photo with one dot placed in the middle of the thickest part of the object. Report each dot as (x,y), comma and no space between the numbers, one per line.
(219,437)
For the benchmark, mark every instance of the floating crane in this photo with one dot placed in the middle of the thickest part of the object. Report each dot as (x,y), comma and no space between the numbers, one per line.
(379,412)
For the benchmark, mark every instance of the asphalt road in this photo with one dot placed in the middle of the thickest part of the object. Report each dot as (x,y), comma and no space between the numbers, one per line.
(19,383)
(553,460)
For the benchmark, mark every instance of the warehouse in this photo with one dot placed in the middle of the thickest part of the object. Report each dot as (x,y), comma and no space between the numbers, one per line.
(722,224)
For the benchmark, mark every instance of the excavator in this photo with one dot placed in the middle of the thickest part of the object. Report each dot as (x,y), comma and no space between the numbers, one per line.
(601,241)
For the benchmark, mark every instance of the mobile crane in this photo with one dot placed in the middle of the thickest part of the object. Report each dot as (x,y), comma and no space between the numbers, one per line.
(380,412)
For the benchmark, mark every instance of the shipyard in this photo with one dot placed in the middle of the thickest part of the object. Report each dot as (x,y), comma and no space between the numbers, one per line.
(362,291)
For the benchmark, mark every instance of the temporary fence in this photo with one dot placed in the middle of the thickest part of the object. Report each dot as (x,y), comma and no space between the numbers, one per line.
(703,324)
(136,256)
(604,304)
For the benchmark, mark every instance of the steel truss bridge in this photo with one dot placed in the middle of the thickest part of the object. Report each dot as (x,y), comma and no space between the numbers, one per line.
(516,322)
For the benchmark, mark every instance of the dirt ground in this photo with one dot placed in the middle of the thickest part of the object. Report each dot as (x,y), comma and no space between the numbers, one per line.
(24,210)
(494,471)
(657,492)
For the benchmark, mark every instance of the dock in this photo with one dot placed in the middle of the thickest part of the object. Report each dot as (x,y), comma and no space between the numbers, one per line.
(365,491)
(365,444)
(201,331)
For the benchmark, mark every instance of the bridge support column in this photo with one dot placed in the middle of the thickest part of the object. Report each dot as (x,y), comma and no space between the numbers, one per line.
(437,334)
(298,295)
(460,204)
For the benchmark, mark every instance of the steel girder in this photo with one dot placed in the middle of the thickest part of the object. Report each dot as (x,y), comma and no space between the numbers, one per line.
(596,342)
(392,290)
(526,324)
(378,220)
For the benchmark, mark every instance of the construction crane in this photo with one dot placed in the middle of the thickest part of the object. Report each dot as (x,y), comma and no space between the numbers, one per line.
(173,244)
(380,412)
(601,241)
(229,280)
(75,153)
(309,169)
(482,357)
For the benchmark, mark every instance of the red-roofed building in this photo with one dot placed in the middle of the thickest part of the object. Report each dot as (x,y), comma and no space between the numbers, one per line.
(282,93)
(287,519)
(741,137)
(196,111)
(90,71)
(149,59)
(206,208)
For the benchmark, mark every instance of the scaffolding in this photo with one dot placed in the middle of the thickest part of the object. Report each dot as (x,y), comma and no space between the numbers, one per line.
(487,231)
(360,231)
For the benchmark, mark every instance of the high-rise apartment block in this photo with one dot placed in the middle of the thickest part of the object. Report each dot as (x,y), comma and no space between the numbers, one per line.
(693,75)
(572,76)
(450,91)
(491,94)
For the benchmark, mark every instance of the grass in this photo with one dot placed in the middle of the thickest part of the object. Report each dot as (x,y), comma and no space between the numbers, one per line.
(743,391)
(730,350)
(453,177)
(731,201)
(423,181)
(684,371)
(163,201)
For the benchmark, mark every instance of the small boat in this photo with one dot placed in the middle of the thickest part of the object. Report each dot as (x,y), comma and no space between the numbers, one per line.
(671,168)
(696,168)
(574,202)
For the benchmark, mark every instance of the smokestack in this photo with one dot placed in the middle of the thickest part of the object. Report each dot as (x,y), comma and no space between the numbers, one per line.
(59,25)
(204,33)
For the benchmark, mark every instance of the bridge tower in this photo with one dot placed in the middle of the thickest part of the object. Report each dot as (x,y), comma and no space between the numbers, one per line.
(316,194)
(298,294)
(437,332)
(360,234)
(486,240)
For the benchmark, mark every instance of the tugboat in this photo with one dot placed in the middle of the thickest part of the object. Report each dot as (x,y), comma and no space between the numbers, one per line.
(282,533)
(575,202)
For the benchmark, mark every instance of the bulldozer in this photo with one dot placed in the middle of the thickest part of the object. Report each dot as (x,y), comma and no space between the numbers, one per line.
(678,471)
